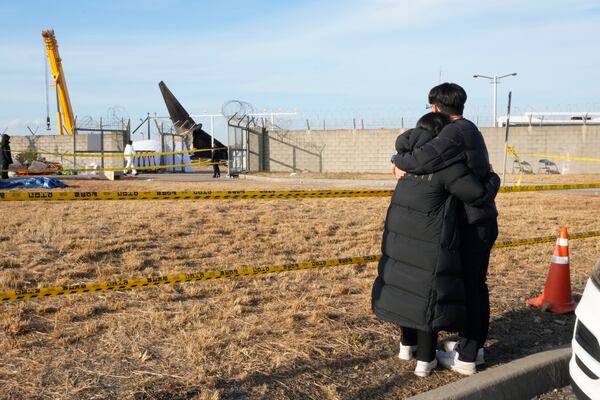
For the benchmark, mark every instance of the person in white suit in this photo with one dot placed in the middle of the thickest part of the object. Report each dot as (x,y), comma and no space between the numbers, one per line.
(129,159)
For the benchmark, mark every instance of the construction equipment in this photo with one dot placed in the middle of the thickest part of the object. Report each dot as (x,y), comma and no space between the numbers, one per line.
(64,110)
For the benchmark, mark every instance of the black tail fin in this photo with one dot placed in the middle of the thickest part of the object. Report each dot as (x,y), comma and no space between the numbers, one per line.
(183,123)
(179,116)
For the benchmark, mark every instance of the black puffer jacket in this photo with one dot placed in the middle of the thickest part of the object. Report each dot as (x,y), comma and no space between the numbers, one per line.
(419,284)
(5,156)
(458,141)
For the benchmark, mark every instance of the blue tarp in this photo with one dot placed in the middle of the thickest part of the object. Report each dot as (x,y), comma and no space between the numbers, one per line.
(41,182)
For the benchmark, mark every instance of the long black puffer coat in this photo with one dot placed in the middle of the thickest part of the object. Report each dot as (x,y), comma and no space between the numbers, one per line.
(5,156)
(419,284)
(459,141)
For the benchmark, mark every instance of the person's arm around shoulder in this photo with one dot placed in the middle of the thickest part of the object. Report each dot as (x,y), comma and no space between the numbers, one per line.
(402,145)
(462,183)
(443,150)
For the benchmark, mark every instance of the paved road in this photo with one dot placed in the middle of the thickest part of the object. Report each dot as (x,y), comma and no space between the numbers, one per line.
(201,176)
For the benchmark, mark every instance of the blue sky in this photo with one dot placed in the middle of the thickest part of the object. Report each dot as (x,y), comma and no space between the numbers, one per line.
(373,59)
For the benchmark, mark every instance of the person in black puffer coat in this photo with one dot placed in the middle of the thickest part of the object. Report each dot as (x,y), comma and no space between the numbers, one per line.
(419,284)
(5,155)
(461,141)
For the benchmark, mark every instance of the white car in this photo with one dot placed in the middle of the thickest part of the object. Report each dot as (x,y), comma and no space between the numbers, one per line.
(584,367)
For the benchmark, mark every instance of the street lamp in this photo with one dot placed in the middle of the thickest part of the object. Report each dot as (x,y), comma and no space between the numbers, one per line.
(495,80)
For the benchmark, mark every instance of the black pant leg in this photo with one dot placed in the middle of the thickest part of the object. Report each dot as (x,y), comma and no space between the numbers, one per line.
(409,336)
(4,174)
(484,296)
(476,244)
(427,343)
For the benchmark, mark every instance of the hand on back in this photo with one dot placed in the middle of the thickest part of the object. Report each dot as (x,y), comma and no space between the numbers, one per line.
(397,172)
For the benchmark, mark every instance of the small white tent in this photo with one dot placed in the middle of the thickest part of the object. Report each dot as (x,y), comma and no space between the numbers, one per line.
(153,146)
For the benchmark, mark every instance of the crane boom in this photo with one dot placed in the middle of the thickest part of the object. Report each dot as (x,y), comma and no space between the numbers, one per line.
(65,111)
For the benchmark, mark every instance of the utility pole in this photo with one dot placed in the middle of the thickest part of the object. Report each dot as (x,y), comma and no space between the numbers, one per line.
(494,81)
(506,139)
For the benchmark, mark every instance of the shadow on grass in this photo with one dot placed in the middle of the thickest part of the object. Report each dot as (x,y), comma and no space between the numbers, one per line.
(368,377)
(526,331)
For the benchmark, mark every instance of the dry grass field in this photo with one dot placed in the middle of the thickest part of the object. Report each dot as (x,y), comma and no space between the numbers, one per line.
(511,179)
(296,335)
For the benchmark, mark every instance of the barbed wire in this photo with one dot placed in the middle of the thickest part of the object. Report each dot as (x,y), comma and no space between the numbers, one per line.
(238,112)
(116,117)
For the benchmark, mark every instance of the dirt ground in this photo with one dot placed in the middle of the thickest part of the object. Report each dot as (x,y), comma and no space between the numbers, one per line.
(308,334)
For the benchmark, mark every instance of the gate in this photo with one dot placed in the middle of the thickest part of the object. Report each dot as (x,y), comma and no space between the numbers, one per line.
(237,160)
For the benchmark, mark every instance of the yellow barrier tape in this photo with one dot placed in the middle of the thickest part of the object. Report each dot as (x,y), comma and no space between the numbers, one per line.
(512,151)
(543,239)
(119,154)
(243,195)
(133,283)
(193,195)
(127,284)
(151,168)
(561,157)
(537,188)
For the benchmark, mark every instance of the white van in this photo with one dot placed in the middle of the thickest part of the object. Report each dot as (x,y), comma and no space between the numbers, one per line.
(584,367)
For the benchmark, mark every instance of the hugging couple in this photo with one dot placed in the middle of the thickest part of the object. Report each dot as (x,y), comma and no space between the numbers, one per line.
(439,230)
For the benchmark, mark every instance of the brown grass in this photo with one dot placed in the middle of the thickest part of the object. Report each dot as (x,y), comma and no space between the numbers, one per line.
(511,179)
(307,334)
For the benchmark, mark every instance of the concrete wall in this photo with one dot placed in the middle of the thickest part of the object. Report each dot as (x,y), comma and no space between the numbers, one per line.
(330,151)
(573,141)
(359,150)
(80,143)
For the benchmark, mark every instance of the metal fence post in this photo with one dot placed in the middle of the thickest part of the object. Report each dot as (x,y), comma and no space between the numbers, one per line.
(101,143)
(74,152)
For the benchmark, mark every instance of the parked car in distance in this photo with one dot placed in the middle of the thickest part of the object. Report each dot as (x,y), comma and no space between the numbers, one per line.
(584,367)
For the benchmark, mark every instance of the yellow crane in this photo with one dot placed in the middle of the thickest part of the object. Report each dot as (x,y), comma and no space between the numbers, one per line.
(65,111)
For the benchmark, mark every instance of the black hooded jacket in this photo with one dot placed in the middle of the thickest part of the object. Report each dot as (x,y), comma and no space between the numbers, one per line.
(459,141)
(5,156)
(419,283)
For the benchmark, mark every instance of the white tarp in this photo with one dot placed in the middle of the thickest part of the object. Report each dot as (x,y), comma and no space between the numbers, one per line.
(151,146)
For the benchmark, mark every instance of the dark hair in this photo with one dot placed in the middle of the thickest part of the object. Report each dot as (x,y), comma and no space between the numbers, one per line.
(433,122)
(449,97)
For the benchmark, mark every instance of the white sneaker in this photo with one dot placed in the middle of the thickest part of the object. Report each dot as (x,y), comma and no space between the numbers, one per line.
(407,352)
(424,368)
(451,345)
(449,359)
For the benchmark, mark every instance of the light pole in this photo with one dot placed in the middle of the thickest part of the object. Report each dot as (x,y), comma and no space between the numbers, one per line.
(494,80)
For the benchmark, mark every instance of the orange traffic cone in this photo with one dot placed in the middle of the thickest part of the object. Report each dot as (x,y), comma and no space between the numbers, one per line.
(556,296)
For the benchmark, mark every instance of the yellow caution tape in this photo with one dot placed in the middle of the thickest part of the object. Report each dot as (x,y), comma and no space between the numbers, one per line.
(512,151)
(543,239)
(151,168)
(194,195)
(127,284)
(537,188)
(112,154)
(133,283)
(561,157)
(241,194)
